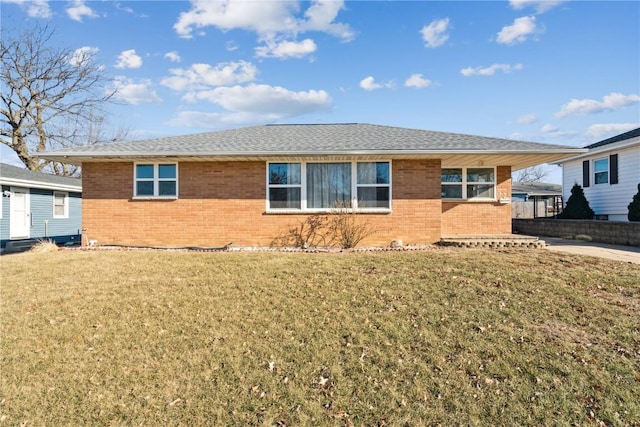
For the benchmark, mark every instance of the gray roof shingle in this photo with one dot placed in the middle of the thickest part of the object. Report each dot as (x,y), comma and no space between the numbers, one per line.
(14,173)
(623,136)
(308,139)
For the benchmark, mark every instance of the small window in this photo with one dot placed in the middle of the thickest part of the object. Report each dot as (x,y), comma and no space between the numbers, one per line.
(601,171)
(468,183)
(156,180)
(480,183)
(452,183)
(285,186)
(373,185)
(60,204)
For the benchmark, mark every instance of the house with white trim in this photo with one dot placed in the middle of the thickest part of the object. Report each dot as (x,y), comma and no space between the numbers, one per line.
(35,206)
(609,173)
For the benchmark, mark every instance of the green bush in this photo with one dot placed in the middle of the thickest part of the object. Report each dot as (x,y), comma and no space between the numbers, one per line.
(634,207)
(577,206)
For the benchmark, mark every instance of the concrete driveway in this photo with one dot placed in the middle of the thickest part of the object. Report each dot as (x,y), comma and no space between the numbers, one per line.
(602,250)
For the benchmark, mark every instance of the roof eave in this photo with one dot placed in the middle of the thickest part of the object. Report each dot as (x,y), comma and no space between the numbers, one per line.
(78,157)
(40,185)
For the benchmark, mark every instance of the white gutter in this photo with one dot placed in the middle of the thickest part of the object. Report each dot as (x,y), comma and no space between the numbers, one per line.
(41,185)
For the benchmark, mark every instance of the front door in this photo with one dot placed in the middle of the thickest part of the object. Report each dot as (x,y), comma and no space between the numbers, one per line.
(20,214)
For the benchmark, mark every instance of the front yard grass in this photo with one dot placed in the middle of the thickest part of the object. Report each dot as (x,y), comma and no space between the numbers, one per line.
(444,337)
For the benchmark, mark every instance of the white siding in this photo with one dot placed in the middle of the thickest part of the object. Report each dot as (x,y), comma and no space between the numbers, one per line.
(606,199)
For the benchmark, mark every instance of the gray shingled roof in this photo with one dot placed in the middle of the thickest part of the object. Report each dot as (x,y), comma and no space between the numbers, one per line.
(14,174)
(623,136)
(308,140)
(537,188)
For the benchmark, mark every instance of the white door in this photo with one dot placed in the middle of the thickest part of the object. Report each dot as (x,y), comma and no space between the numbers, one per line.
(20,214)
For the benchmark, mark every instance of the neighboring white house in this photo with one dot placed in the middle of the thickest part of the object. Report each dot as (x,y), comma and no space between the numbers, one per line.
(609,173)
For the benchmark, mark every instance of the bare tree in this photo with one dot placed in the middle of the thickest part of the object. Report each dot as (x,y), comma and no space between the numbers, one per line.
(51,97)
(532,174)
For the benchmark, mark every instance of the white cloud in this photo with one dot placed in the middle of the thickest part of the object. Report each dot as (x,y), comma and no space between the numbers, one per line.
(491,70)
(368,83)
(320,16)
(549,131)
(610,129)
(416,80)
(435,34)
(611,102)
(540,6)
(266,100)
(172,56)
(201,76)
(79,10)
(34,8)
(199,119)
(263,17)
(268,19)
(135,93)
(83,54)
(286,49)
(129,59)
(548,128)
(518,31)
(527,119)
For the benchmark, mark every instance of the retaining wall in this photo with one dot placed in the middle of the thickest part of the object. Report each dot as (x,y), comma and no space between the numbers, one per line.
(617,233)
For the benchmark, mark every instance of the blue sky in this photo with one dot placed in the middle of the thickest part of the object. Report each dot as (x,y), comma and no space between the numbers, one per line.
(565,72)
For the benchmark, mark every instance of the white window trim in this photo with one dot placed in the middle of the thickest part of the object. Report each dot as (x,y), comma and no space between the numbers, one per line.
(608,171)
(156,181)
(65,215)
(464,184)
(354,188)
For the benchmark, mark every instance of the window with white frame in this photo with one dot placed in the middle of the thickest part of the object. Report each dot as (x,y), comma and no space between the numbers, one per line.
(374,185)
(329,185)
(156,180)
(601,171)
(60,204)
(285,185)
(468,183)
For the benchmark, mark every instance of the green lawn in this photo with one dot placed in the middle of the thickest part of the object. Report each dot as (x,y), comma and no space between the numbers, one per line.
(442,337)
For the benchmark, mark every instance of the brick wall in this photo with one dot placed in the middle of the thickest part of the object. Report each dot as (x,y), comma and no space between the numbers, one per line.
(477,218)
(223,202)
(619,233)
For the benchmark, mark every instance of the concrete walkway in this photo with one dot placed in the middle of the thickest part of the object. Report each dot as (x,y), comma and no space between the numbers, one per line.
(602,250)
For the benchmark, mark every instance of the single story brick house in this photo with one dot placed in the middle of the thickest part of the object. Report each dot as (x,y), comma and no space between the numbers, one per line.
(249,185)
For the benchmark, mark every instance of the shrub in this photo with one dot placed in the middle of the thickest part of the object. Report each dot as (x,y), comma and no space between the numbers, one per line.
(342,227)
(347,229)
(577,206)
(634,207)
(312,232)
(46,245)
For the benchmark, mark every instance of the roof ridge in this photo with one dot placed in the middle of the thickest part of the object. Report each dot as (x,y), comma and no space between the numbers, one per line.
(313,124)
